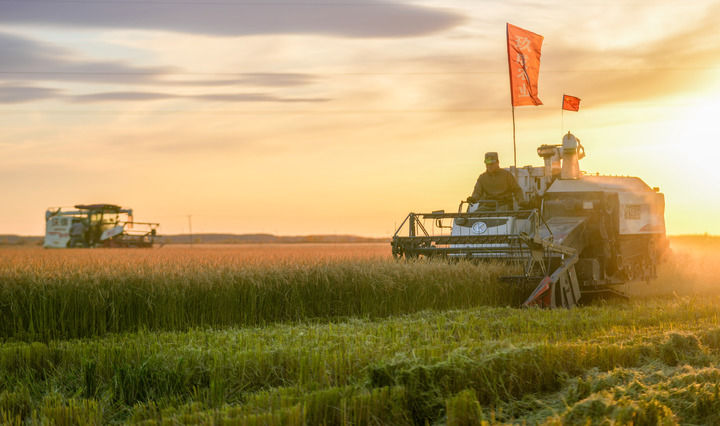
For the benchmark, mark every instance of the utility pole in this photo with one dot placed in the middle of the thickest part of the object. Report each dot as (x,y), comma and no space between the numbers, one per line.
(190,225)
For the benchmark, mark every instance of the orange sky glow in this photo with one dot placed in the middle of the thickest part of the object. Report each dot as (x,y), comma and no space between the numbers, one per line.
(306,117)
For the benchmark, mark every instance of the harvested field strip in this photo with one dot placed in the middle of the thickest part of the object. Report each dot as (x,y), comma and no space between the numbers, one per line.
(425,366)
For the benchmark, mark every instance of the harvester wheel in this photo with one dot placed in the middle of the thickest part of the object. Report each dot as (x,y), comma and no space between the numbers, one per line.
(397,252)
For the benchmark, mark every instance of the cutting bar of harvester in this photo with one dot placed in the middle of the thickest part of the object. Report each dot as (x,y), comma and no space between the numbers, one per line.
(548,251)
(496,238)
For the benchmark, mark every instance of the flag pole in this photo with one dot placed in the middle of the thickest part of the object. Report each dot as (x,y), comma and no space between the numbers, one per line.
(512,96)
(514,145)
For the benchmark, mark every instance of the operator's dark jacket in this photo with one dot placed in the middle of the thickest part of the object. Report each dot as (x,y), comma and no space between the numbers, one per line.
(499,185)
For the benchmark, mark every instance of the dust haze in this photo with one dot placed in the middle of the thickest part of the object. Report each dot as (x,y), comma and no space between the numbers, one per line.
(690,269)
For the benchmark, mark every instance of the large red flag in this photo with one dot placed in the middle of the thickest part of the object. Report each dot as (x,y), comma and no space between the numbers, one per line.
(571,103)
(524,59)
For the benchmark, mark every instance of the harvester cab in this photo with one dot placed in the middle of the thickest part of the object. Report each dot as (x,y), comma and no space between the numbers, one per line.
(573,237)
(96,225)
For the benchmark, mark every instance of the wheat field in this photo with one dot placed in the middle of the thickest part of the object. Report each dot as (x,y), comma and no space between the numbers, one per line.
(344,335)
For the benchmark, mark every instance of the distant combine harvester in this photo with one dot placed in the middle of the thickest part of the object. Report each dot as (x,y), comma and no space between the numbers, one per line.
(96,225)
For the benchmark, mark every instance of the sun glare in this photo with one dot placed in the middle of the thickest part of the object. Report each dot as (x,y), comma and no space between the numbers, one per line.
(699,130)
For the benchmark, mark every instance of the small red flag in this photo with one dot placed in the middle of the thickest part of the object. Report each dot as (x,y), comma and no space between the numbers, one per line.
(523,49)
(571,103)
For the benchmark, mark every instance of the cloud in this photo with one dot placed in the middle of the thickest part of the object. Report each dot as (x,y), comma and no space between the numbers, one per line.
(20,94)
(119,96)
(362,18)
(252,97)
(670,64)
(251,79)
(171,145)
(600,74)
(24,60)
(10,94)
(218,97)
(676,63)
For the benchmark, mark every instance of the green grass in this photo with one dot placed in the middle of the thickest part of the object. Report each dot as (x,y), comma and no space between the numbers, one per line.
(638,362)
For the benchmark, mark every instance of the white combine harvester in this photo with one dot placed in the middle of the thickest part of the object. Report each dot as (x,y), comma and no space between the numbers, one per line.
(579,236)
(96,225)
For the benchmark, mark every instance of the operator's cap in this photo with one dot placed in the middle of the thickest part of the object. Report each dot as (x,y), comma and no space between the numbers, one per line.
(491,157)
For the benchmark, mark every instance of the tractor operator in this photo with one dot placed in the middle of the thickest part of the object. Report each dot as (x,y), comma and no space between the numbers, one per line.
(495,184)
(77,234)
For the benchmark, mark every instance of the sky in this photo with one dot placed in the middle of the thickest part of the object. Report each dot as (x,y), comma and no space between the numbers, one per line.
(298,117)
